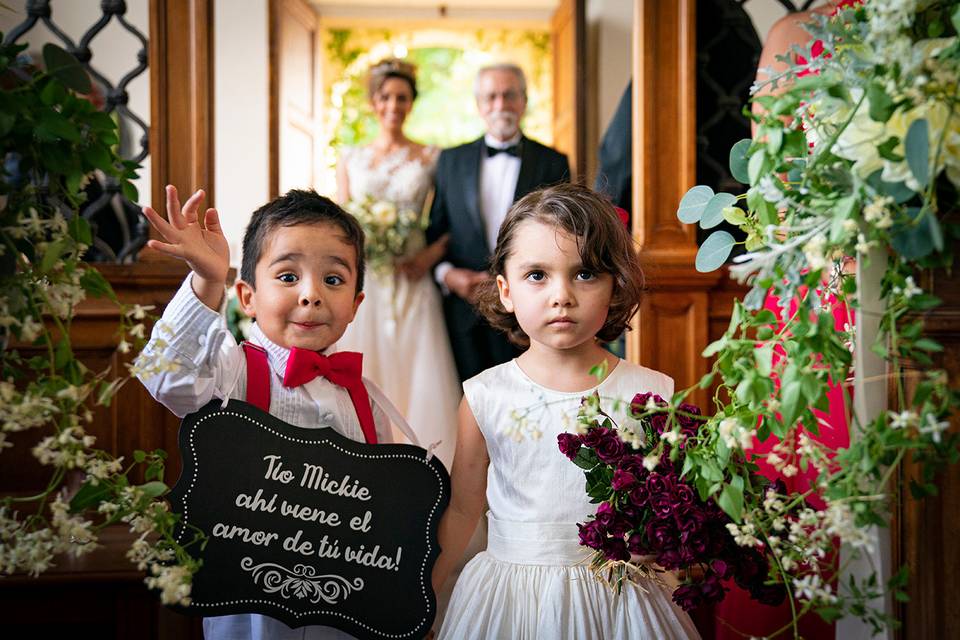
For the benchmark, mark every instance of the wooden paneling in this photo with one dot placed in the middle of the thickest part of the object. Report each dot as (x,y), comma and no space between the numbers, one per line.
(294,96)
(924,531)
(568,28)
(101,594)
(181,97)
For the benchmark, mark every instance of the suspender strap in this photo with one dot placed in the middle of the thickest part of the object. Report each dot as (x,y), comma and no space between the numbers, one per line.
(258,376)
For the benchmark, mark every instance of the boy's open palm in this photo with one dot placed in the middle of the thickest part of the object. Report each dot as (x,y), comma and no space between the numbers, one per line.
(203,247)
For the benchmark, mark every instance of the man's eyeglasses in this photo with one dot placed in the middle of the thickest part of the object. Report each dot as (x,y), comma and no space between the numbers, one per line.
(507,96)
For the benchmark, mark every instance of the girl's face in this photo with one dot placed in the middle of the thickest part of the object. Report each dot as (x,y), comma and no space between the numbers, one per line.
(558,302)
(393,102)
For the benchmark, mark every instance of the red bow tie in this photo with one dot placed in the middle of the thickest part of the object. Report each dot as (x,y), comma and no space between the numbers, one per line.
(343,369)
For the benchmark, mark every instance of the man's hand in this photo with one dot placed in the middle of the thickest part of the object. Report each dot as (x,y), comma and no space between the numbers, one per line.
(203,247)
(464,282)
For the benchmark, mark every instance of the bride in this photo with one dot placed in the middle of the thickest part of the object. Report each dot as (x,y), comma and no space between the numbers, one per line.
(399,327)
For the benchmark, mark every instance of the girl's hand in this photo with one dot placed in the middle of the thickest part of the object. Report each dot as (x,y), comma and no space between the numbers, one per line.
(203,247)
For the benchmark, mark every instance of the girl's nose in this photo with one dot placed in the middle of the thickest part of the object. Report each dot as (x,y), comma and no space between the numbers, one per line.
(563,295)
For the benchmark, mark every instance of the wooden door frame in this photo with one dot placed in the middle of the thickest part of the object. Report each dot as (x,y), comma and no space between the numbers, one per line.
(181,97)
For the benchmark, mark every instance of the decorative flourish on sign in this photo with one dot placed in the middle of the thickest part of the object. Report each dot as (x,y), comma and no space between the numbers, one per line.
(301,582)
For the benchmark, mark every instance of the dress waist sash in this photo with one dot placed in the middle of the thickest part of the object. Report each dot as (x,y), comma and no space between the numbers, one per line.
(541,543)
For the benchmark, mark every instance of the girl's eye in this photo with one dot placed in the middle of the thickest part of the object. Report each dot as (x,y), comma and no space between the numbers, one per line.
(536,276)
(583,274)
(288,278)
(334,281)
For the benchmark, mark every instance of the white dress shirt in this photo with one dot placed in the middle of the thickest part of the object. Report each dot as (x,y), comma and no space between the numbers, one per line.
(498,182)
(213,365)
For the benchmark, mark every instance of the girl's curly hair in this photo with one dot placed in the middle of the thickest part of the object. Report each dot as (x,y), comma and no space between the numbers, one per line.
(605,247)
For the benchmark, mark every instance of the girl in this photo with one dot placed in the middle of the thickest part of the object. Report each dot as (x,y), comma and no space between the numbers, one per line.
(566,276)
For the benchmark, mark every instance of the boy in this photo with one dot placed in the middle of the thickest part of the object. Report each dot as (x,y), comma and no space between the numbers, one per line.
(301,279)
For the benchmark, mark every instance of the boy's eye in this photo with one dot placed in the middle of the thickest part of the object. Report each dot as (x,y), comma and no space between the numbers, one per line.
(536,276)
(334,280)
(583,274)
(287,278)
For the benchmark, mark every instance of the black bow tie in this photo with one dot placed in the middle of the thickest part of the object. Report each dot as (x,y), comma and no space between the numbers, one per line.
(512,150)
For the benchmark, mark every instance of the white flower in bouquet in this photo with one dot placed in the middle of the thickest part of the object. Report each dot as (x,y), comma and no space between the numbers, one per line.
(384,213)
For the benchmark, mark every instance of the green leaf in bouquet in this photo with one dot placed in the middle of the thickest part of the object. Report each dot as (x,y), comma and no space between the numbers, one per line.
(757,165)
(80,230)
(774,140)
(917,145)
(586,459)
(791,401)
(734,215)
(713,212)
(52,254)
(731,500)
(955,18)
(95,284)
(53,126)
(738,160)
(693,203)
(764,359)
(89,496)
(881,104)
(52,93)
(714,251)
(154,489)
(129,191)
(899,191)
(915,239)
(886,149)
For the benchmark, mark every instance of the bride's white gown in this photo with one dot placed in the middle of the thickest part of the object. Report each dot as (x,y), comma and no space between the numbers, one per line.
(399,327)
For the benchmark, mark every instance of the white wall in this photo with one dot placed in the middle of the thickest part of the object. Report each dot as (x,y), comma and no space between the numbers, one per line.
(609,67)
(241,136)
(114,51)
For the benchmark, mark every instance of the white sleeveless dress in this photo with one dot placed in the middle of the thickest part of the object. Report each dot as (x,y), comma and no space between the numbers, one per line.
(399,327)
(534,581)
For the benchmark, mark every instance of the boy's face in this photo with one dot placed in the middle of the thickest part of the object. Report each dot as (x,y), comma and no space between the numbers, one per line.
(306,282)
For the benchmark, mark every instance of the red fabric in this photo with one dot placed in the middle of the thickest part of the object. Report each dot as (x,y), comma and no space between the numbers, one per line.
(342,369)
(258,376)
(624,216)
(738,610)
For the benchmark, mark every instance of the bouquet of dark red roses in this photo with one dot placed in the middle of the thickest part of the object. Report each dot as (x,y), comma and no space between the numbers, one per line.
(648,513)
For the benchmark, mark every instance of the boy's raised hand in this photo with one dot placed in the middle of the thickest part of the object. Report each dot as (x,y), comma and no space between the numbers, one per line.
(203,247)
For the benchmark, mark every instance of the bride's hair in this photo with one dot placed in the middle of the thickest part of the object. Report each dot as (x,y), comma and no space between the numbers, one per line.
(391,68)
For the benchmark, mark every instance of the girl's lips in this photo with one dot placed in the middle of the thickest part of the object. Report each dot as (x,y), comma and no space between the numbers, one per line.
(561,321)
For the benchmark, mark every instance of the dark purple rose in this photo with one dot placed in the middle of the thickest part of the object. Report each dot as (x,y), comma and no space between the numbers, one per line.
(633,464)
(620,527)
(669,559)
(696,543)
(640,495)
(592,534)
(751,569)
(722,568)
(615,549)
(658,483)
(688,424)
(662,534)
(711,589)
(690,518)
(622,480)
(632,514)
(606,514)
(639,403)
(659,422)
(611,448)
(569,444)
(688,596)
(662,504)
(635,544)
(684,494)
(593,437)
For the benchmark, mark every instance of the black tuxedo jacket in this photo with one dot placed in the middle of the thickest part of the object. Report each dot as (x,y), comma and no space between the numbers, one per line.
(456,208)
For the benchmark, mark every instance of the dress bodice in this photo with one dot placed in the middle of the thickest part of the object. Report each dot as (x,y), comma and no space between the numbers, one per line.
(402,176)
(529,479)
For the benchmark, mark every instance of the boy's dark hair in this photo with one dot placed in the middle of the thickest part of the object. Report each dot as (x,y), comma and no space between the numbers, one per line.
(605,247)
(297,206)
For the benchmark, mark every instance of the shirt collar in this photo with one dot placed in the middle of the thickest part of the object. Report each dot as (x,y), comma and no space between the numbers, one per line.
(276,355)
(500,144)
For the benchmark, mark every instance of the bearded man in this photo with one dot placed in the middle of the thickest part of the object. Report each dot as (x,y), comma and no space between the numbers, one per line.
(476,184)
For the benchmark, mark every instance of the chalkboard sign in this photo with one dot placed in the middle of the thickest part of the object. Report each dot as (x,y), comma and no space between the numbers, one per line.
(308,526)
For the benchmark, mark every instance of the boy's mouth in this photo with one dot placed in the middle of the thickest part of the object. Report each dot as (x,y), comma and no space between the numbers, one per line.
(308,325)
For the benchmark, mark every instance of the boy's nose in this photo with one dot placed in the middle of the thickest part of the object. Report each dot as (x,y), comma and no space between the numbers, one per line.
(310,297)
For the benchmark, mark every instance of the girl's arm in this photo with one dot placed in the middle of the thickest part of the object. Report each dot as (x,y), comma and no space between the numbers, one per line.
(469,480)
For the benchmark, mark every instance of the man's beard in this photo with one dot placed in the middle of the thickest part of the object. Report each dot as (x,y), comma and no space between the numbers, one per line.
(503,124)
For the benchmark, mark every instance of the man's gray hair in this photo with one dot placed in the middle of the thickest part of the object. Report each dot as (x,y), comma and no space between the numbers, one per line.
(502,66)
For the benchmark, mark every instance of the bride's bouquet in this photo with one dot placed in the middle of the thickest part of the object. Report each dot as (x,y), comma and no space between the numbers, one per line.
(649,513)
(387,227)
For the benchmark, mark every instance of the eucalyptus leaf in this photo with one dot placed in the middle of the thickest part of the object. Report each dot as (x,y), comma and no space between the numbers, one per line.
(917,145)
(738,160)
(714,251)
(915,239)
(693,203)
(713,212)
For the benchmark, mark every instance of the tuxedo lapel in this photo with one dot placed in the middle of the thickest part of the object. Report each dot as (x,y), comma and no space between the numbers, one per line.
(528,163)
(471,184)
